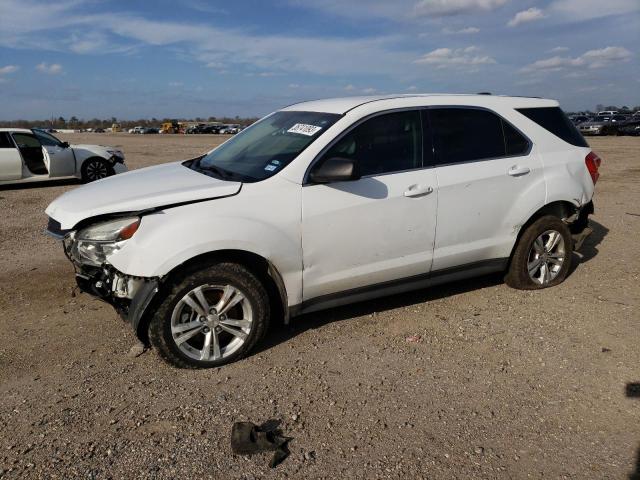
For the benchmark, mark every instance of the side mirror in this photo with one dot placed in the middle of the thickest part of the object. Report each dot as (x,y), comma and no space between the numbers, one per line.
(64,144)
(335,169)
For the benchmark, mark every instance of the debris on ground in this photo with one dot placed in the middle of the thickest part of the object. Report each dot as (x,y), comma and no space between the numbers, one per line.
(414,339)
(137,350)
(249,439)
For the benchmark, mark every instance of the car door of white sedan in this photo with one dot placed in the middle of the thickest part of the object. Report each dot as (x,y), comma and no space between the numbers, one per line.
(10,159)
(489,179)
(379,228)
(59,158)
(61,162)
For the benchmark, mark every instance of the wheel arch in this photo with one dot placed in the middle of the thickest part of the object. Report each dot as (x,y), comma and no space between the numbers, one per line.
(261,267)
(563,209)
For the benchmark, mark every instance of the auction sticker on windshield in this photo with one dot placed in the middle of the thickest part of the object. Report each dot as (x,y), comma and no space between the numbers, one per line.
(304,129)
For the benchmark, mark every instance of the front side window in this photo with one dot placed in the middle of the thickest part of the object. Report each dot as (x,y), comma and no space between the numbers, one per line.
(387,143)
(47,139)
(266,147)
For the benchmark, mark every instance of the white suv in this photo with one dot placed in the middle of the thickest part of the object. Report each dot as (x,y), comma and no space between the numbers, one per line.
(329,202)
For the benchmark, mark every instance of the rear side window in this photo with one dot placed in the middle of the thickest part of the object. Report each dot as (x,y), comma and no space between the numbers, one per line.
(469,134)
(5,141)
(555,121)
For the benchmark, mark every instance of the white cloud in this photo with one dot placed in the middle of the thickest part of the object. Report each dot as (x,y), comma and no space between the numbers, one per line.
(591,59)
(294,85)
(412,88)
(50,69)
(349,88)
(369,90)
(530,15)
(461,31)
(587,9)
(176,84)
(455,58)
(399,10)
(559,50)
(445,8)
(8,69)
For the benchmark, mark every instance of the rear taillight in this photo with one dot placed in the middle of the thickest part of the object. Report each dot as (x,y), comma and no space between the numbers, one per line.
(593,162)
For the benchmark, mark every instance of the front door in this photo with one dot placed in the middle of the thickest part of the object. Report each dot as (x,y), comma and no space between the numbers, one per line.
(59,156)
(377,229)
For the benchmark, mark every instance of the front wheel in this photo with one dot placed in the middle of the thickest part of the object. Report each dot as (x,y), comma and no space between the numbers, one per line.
(95,169)
(543,255)
(211,317)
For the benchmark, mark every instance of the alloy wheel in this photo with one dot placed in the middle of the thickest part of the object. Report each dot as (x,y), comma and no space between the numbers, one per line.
(97,170)
(546,257)
(211,322)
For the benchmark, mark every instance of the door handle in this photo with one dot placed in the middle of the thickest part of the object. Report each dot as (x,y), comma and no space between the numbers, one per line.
(418,190)
(517,171)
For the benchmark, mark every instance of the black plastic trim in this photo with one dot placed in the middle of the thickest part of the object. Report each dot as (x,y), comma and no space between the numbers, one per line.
(414,282)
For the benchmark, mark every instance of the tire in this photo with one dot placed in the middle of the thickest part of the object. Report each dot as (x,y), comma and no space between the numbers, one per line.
(96,168)
(549,266)
(179,331)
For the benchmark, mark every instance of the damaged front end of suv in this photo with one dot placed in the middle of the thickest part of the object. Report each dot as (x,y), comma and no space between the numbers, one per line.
(88,248)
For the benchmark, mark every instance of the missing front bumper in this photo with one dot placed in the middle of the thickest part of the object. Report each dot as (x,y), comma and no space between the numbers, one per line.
(128,295)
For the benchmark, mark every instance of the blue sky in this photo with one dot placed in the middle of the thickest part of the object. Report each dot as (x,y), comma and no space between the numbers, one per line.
(134,59)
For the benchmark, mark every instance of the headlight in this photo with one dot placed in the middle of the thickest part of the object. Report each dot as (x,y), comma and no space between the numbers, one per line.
(116,153)
(95,243)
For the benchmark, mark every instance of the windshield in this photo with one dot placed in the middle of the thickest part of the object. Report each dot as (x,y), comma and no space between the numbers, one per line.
(46,138)
(266,147)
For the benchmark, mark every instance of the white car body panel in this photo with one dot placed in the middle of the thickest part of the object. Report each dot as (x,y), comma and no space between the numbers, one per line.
(339,218)
(10,164)
(325,239)
(263,219)
(137,190)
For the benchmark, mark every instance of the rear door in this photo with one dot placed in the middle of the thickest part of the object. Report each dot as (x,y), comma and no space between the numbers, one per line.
(10,161)
(489,178)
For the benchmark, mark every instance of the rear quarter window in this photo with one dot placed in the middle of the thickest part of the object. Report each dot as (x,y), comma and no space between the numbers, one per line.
(555,121)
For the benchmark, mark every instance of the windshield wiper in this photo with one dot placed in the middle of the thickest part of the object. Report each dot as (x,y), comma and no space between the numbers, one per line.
(223,174)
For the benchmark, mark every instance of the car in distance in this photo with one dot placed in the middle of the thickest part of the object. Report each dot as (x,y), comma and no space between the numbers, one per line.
(597,127)
(36,155)
(630,127)
(329,202)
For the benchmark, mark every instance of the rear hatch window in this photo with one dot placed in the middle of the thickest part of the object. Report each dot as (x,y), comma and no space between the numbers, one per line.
(555,121)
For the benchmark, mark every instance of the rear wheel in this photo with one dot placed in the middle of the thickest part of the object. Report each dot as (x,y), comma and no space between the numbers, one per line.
(96,168)
(543,255)
(211,317)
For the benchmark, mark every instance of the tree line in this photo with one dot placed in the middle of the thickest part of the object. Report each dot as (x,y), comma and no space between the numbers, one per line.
(78,123)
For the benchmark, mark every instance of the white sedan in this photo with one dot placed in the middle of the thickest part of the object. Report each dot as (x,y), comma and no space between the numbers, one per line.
(35,155)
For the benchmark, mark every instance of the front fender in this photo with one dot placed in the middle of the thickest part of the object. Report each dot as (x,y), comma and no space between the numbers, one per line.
(169,238)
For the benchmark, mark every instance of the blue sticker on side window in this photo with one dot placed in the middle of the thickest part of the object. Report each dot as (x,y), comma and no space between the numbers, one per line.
(270,168)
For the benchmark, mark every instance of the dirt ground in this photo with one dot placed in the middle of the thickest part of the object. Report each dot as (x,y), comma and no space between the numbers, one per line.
(498,384)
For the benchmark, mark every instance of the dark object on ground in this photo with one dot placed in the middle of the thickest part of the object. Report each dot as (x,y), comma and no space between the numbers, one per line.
(633,390)
(249,439)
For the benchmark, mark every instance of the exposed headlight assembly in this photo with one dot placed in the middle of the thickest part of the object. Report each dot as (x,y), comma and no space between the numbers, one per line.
(92,245)
(116,155)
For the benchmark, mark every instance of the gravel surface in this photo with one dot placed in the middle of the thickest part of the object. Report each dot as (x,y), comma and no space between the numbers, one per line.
(470,380)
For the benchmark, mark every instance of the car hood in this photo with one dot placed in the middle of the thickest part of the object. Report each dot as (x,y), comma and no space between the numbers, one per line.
(142,189)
